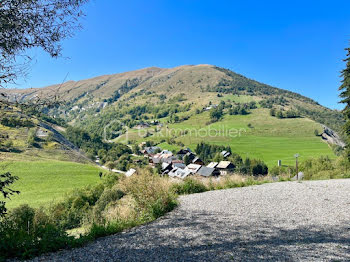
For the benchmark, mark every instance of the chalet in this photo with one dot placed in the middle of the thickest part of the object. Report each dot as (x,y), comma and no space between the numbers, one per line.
(225,166)
(210,107)
(208,171)
(179,173)
(137,161)
(197,161)
(212,164)
(179,165)
(130,172)
(150,150)
(191,156)
(225,153)
(163,157)
(154,122)
(166,152)
(193,168)
(166,167)
(183,152)
(142,145)
(141,126)
(42,133)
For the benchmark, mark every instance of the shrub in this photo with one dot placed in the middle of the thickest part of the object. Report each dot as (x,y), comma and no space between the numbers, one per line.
(26,232)
(189,186)
(109,195)
(258,168)
(151,193)
(74,209)
(278,170)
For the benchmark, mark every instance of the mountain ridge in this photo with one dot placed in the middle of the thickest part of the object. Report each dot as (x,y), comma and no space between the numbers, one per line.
(197,84)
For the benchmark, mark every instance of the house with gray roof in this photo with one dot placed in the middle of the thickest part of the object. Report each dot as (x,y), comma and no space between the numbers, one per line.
(193,168)
(197,161)
(208,171)
(212,164)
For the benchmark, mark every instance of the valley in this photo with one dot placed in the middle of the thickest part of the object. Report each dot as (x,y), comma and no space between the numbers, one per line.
(102,155)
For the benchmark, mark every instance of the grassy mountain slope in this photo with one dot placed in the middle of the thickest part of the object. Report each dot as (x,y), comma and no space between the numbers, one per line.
(176,97)
(47,168)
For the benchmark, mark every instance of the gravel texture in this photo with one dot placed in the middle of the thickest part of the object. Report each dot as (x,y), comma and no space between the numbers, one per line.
(290,221)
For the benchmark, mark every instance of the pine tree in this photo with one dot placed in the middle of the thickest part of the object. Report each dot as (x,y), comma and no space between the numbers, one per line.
(345,95)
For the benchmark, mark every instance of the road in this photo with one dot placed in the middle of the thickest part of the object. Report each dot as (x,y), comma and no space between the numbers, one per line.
(289,221)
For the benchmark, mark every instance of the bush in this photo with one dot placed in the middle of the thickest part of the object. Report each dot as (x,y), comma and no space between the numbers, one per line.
(278,171)
(73,210)
(151,193)
(26,232)
(325,168)
(189,186)
(258,168)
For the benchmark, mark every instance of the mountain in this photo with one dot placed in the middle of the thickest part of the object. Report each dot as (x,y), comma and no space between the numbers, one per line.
(156,99)
(26,136)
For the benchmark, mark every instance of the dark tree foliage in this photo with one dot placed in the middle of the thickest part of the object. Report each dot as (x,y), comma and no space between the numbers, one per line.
(6,180)
(27,24)
(345,95)
(16,122)
(216,114)
(207,152)
(284,114)
(93,145)
(239,84)
(254,167)
(272,101)
(331,118)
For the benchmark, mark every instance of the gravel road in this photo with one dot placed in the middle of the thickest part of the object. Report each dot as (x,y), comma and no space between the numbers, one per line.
(291,221)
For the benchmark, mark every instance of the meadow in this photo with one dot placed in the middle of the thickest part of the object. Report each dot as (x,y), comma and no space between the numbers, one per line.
(41,182)
(257,135)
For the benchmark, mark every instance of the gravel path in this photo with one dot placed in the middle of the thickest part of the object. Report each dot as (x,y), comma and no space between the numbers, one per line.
(292,221)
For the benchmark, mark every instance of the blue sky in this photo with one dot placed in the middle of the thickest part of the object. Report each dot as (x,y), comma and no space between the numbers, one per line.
(294,45)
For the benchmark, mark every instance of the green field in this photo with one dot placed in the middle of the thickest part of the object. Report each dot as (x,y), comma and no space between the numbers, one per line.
(268,138)
(41,182)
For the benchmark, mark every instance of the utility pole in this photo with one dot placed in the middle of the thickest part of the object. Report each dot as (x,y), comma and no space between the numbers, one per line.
(296,163)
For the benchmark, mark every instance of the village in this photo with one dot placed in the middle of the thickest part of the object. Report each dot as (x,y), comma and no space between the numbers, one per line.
(183,163)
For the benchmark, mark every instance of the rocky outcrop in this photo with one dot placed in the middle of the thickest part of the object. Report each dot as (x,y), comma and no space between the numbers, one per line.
(331,137)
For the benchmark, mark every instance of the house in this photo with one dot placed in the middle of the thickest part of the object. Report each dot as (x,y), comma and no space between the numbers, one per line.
(197,161)
(190,155)
(42,133)
(179,165)
(141,126)
(130,172)
(224,167)
(227,165)
(137,161)
(182,152)
(208,171)
(210,107)
(193,168)
(150,150)
(166,152)
(154,122)
(225,153)
(179,173)
(164,156)
(142,144)
(166,167)
(212,164)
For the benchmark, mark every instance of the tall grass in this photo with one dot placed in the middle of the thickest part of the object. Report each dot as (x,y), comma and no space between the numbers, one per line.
(120,203)
(193,185)
(107,208)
